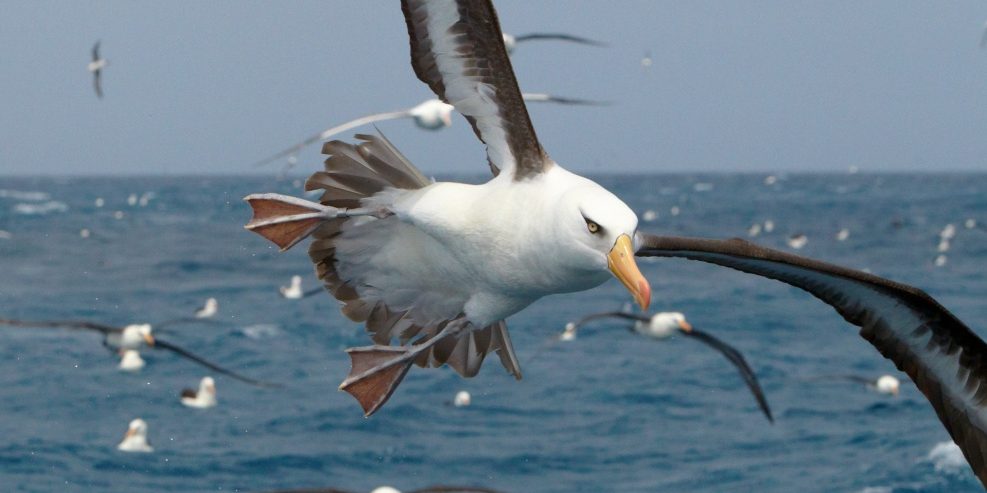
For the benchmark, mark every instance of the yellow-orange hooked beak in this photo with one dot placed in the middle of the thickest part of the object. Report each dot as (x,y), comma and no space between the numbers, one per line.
(685,326)
(624,268)
(130,432)
(149,339)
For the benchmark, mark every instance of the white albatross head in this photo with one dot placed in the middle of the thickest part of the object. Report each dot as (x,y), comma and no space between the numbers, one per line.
(887,384)
(662,325)
(599,229)
(209,309)
(462,399)
(136,335)
(135,440)
(432,114)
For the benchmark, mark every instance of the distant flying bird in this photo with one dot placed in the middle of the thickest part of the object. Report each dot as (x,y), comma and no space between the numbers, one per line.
(132,337)
(202,398)
(661,325)
(135,440)
(885,384)
(431,114)
(96,67)
(511,42)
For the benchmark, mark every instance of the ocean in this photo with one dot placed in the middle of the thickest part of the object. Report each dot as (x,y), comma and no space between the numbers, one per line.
(609,411)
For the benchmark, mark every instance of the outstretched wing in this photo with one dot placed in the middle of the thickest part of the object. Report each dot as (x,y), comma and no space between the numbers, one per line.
(738,361)
(95,51)
(558,37)
(458,50)
(60,324)
(159,344)
(945,359)
(98,83)
(329,132)
(540,97)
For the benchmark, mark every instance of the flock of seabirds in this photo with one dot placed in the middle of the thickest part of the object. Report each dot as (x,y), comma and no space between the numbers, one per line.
(434,269)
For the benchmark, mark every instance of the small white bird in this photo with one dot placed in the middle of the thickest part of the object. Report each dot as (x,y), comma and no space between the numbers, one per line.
(940,261)
(208,310)
(970,223)
(887,384)
(130,360)
(770,180)
(754,230)
(135,440)
(132,199)
(943,246)
(293,291)
(132,337)
(84,233)
(569,333)
(649,215)
(948,232)
(769,226)
(797,241)
(203,398)
(96,67)
(462,399)
(842,234)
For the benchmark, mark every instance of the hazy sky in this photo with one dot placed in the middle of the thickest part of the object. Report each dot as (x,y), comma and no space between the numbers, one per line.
(209,87)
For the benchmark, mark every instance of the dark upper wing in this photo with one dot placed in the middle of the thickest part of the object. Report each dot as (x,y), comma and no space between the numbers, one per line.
(188,393)
(458,50)
(159,344)
(98,83)
(559,37)
(61,324)
(623,315)
(96,51)
(945,359)
(738,361)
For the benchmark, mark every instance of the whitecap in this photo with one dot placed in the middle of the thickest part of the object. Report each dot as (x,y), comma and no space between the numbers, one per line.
(22,195)
(39,209)
(702,187)
(947,457)
(261,331)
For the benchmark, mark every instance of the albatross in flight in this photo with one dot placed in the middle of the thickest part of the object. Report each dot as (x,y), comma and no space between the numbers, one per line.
(432,114)
(662,325)
(435,268)
(133,337)
(96,67)
(511,41)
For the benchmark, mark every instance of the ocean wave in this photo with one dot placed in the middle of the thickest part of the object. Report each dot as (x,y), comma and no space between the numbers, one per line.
(947,457)
(40,209)
(22,195)
(261,331)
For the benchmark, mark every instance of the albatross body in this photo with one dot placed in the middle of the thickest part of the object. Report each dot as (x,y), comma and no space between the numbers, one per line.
(441,265)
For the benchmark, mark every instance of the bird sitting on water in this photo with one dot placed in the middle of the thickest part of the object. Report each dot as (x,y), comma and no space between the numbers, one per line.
(135,440)
(134,337)
(130,360)
(294,291)
(208,309)
(662,325)
(202,398)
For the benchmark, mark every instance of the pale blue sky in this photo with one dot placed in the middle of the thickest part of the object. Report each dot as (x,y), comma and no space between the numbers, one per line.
(208,87)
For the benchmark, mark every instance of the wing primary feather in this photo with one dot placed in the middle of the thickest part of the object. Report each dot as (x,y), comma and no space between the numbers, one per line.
(61,324)
(737,359)
(160,344)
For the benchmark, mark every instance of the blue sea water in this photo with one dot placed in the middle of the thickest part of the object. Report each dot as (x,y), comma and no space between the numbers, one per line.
(607,412)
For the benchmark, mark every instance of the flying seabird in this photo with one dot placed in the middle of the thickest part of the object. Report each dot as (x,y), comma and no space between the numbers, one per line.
(203,398)
(130,360)
(96,66)
(208,310)
(133,337)
(662,325)
(885,384)
(511,42)
(294,290)
(432,114)
(439,266)
(135,440)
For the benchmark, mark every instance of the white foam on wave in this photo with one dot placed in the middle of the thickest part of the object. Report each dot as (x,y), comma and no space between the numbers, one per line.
(947,457)
(261,331)
(23,195)
(40,209)
(877,489)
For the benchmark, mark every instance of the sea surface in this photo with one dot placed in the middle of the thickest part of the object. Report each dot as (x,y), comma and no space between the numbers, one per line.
(607,412)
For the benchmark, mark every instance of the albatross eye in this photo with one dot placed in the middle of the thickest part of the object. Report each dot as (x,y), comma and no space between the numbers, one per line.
(592,227)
